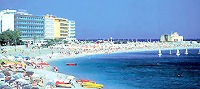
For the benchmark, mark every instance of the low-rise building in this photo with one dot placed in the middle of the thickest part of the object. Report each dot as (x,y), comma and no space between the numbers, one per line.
(173,37)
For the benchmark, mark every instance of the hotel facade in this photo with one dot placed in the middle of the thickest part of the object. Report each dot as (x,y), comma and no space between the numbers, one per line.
(59,28)
(37,27)
(31,26)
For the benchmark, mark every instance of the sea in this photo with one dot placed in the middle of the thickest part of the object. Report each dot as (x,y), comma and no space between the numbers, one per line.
(137,70)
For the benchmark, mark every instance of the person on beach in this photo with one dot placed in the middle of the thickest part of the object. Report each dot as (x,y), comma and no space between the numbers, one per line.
(7,79)
(55,69)
(35,66)
(50,57)
(34,83)
(71,82)
(41,82)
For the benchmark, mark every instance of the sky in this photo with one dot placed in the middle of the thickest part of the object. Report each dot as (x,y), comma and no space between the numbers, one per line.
(120,19)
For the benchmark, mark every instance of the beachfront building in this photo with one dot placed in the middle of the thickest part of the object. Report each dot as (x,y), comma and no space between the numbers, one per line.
(71,31)
(37,28)
(7,20)
(173,37)
(49,26)
(31,26)
(59,28)
(0,25)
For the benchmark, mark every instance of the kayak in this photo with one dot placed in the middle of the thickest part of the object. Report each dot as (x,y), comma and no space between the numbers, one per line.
(91,85)
(64,85)
(71,64)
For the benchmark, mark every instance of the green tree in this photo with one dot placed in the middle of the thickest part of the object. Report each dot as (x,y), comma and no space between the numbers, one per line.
(66,42)
(50,42)
(10,37)
(16,36)
(5,37)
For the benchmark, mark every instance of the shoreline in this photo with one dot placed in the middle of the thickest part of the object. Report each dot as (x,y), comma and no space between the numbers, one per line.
(56,56)
(92,54)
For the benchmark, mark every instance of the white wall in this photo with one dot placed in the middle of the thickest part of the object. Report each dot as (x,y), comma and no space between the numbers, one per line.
(0,21)
(7,22)
(49,28)
(0,25)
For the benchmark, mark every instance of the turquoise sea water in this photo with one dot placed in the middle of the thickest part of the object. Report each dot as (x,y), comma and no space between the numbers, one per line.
(137,70)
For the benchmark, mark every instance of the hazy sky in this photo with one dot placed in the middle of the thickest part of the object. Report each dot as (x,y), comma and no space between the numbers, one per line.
(120,18)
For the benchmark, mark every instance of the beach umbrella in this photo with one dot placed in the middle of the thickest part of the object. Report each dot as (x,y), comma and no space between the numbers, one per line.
(2,82)
(5,65)
(10,63)
(18,58)
(3,57)
(43,64)
(18,66)
(15,77)
(5,86)
(6,73)
(35,88)
(18,75)
(23,81)
(20,55)
(36,76)
(10,57)
(2,75)
(21,70)
(26,86)
(29,73)
(27,57)
(51,83)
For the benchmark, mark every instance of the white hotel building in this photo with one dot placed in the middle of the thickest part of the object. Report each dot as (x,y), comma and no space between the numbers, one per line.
(7,20)
(49,27)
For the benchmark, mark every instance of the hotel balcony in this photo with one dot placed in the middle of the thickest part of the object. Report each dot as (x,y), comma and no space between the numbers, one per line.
(72,22)
(72,26)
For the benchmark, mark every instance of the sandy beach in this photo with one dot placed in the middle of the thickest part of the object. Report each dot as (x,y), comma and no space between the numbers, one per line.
(63,51)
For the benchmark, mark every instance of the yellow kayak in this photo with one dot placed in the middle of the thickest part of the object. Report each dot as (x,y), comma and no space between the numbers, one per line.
(87,83)
(93,85)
